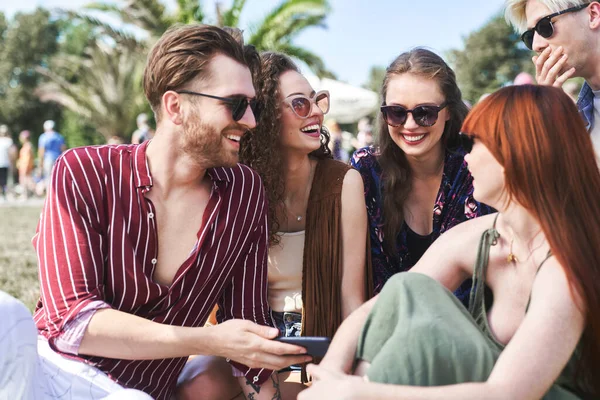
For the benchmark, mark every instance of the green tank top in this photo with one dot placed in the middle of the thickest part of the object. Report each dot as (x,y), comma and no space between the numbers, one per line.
(478,308)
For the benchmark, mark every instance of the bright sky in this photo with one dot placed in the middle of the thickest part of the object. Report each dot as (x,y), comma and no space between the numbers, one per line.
(360,33)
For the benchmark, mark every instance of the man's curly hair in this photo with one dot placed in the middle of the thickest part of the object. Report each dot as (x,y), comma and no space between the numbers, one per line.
(260,149)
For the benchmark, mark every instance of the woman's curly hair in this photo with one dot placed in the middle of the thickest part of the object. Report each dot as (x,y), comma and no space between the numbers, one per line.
(260,148)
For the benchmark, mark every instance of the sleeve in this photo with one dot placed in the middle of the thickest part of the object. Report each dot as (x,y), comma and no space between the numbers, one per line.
(41,141)
(72,334)
(69,247)
(246,296)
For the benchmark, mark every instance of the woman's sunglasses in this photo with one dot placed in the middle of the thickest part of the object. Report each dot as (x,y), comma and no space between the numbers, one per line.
(424,115)
(302,105)
(467,141)
(237,104)
(544,26)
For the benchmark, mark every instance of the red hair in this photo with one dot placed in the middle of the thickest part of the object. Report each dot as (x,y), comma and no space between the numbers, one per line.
(538,136)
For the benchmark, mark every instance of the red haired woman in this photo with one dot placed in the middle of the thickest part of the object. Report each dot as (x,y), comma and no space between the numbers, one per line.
(533,326)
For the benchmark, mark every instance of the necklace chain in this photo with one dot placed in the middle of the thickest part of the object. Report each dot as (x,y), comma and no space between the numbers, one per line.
(299,217)
(512,258)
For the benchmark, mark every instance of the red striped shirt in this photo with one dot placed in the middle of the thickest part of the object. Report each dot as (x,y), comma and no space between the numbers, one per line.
(97,240)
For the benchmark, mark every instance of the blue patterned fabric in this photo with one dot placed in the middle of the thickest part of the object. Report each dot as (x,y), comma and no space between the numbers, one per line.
(585,103)
(454,204)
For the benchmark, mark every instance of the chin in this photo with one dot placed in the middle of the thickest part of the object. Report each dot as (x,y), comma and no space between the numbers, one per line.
(313,149)
(485,198)
(231,161)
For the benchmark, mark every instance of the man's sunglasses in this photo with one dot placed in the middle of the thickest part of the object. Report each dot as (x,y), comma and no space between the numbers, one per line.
(424,115)
(237,104)
(467,141)
(302,105)
(544,26)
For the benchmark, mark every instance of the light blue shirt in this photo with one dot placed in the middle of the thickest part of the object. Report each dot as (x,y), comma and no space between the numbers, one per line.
(52,142)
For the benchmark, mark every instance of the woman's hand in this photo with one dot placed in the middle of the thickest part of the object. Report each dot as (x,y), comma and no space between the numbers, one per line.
(333,384)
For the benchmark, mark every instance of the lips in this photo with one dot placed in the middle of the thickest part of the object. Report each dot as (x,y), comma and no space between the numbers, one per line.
(413,139)
(235,138)
(313,129)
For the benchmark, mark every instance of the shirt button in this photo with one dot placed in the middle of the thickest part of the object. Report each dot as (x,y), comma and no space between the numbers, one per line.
(154,261)
(255,379)
(151,215)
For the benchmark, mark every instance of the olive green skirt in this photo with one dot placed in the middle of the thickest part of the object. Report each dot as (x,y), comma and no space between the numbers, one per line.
(419,334)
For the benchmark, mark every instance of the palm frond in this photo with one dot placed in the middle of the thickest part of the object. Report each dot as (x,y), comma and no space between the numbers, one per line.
(231,17)
(287,13)
(314,62)
(150,15)
(107,92)
(120,36)
(109,8)
(190,11)
(287,32)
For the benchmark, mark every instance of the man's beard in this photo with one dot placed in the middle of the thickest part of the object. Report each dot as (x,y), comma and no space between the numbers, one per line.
(203,144)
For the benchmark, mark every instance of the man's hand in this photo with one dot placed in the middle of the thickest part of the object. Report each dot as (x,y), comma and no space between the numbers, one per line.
(549,66)
(252,345)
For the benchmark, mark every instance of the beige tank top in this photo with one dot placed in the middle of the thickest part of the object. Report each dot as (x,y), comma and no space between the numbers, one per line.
(285,272)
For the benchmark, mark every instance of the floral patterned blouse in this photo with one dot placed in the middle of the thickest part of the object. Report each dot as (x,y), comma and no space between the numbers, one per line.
(454,204)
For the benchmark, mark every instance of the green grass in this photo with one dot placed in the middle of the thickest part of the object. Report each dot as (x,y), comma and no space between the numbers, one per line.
(18,262)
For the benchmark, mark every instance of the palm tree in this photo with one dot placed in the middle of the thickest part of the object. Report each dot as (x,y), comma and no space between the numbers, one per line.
(102,85)
(276,31)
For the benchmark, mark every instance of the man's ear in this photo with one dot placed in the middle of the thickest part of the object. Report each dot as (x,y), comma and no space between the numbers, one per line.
(172,107)
(593,11)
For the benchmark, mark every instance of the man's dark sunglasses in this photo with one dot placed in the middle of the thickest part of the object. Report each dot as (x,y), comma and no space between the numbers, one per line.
(237,104)
(424,115)
(544,26)
(467,141)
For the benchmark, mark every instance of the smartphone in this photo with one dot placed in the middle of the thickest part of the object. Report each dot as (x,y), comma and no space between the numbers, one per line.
(315,346)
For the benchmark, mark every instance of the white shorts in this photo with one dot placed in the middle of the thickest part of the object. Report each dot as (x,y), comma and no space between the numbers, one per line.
(31,370)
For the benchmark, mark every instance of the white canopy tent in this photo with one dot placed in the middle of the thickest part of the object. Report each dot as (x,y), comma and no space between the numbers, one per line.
(348,103)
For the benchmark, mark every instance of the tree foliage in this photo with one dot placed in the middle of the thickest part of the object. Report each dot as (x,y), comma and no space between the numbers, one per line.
(26,43)
(376,75)
(492,57)
(276,31)
(102,85)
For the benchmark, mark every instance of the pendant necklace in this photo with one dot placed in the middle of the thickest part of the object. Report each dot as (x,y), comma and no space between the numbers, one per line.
(511,258)
(299,217)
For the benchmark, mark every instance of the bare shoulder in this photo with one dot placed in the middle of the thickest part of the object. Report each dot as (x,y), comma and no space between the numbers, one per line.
(353,190)
(352,181)
(471,228)
(553,283)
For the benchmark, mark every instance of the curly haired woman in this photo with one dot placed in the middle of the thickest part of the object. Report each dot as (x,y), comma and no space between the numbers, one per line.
(319,256)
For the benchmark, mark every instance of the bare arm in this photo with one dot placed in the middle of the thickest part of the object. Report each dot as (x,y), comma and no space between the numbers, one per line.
(242,341)
(354,233)
(526,369)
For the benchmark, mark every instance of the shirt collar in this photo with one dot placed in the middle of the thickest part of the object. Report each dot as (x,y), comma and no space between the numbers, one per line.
(140,166)
(585,103)
(222,174)
(143,178)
